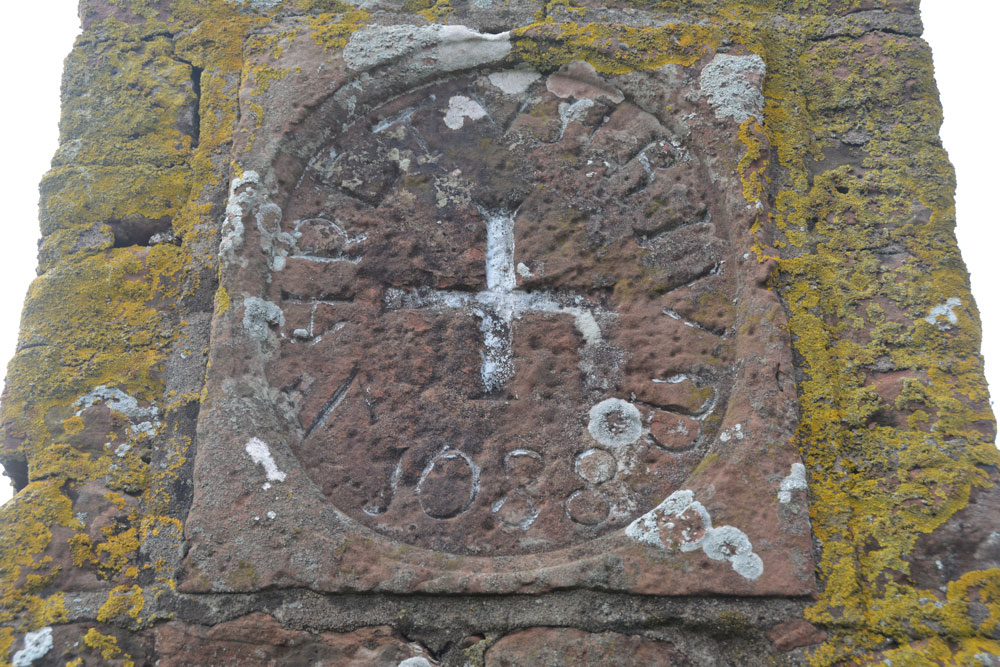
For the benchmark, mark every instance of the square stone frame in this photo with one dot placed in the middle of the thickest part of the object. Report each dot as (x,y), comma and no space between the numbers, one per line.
(258,521)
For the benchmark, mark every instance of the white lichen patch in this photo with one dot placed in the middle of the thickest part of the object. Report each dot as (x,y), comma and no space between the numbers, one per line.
(415,662)
(615,423)
(796,480)
(274,243)
(682,523)
(453,46)
(243,194)
(736,432)
(514,82)
(118,401)
(595,466)
(945,310)
(36,645)
(574,112)
(461,107)
(258,314)
(733,86)
(260,454)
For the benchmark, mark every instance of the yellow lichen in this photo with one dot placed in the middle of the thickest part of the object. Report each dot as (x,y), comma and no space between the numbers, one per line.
(106,646)
(221,301)
(123,603)
(332,30)
(102,315)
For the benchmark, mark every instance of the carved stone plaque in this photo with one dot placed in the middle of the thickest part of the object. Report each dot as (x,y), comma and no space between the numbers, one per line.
(494,329)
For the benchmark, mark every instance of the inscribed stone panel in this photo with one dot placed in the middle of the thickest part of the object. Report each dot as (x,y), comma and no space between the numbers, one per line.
(495,329)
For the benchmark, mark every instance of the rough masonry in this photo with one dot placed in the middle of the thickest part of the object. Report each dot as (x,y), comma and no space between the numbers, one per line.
(499,333)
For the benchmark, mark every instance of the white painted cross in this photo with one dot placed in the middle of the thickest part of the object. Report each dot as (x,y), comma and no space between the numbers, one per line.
(501,302)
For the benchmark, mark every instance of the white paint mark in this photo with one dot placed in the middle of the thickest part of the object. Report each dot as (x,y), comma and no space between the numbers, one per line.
(946,310)
(615,423)
(673,379)
(795,480)
(514,453)
(36,645)
(448,454)
(688,525)
(514,82)
(732,84)
(501,302)
(499,250)
(674,315)
(523,270)
(524,523)
(261,455)
(402,117)
(461,107)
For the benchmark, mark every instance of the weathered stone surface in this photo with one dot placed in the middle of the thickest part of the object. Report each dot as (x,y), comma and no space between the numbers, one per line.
(566,646)
(421,332)
(259,639)
(467,288)
(795,634)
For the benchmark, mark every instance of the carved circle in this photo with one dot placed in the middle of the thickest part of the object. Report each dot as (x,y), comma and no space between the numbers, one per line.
(615,423)
(595,466)
(587,507)
(388,231)
(516,510)
(523,466)
(448,485)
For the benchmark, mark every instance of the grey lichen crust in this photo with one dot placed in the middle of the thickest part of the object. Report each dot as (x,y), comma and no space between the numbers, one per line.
(730,82)
(456,45)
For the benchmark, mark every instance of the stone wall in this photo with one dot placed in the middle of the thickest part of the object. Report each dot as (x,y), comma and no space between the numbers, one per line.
(503,333)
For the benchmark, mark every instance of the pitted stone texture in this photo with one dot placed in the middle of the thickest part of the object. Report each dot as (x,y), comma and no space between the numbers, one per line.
(568,646)
(479,283)
(469,360)
(258,639)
